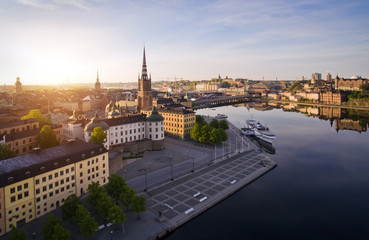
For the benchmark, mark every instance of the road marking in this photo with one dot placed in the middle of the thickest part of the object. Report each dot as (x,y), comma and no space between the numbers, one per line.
(203,199)
(196,194)
(166,204)
(234,181)
(188,210)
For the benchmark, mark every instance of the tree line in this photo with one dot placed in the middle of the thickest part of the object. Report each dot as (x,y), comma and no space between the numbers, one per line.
(213,133)
(107,202)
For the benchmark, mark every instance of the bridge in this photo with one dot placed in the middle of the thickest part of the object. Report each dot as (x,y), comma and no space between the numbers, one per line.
(219,101)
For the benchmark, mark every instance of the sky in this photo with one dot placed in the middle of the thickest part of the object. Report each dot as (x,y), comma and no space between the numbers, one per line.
(61,41)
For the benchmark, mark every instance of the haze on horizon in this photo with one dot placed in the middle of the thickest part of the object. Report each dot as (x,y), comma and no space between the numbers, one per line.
(54,41)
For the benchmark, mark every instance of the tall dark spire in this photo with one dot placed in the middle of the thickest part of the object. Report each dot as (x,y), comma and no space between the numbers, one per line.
(144,67)
(97,78)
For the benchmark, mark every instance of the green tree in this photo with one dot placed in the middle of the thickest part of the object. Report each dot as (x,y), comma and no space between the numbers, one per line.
(214,123)
(196,131)
(215,137)
(48,228)
(47,138)
(98,136)
(115,186)
(127,196)
(16,234)
(35,113)
(60,233)
(200,119)
(223,134)
(94,191)
(205,133)
(6,152)
(87,224)
(139,205)
(116,215)
(223,124)
(70,206)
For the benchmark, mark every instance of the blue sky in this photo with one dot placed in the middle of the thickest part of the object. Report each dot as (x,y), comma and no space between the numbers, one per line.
(52,41)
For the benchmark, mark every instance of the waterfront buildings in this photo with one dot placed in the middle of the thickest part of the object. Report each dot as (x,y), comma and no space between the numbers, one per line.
(350,84)
(34,184)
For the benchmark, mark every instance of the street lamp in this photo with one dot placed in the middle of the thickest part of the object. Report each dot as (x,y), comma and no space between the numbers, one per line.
(34,235)
(171,168)
(111,234)
(146,173)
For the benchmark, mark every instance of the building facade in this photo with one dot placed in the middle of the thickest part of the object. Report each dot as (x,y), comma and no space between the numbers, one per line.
(331,97)
(178,122)
(18,86)
(39,182)
(350,84)
(144,95)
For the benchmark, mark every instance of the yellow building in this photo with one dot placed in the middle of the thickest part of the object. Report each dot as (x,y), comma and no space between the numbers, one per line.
(178,122)
(39,182)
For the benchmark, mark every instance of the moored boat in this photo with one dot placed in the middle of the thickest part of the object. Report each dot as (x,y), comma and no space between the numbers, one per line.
(221,116)
(261,132)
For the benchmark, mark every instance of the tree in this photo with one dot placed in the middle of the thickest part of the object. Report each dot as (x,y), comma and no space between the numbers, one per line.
(16,234)
(225,85)
(196,131)
(205,133)
(94,190)
(87,224)
(223,134)
(47,138)
(139,205)
(127,196)
(60,233)
(70,206)
(214,123)
(116,215)
(98,136)
(6,152)
(215,137)
(223,124)
(35,113)
(200,119)
(115,186)
(48,228)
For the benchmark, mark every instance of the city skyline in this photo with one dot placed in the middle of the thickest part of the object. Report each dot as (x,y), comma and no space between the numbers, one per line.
(51,42)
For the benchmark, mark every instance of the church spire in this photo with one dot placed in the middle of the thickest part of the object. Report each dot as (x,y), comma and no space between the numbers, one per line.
(97,78)
(144,67)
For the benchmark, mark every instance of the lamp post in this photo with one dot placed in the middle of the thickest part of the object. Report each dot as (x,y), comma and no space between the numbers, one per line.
(171,168)
(146,173)
(111,235)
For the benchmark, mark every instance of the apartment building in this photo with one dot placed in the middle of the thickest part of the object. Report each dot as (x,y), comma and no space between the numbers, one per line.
(34,184)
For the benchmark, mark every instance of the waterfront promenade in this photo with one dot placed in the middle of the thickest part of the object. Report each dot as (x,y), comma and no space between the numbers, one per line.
(218,173)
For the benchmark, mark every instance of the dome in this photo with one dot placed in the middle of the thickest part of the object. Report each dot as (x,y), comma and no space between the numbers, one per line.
(96,122)
(154,116)
(114,113)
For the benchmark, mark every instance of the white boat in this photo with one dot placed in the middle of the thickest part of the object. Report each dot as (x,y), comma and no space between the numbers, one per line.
(247,131)
(261,132)
(221,116)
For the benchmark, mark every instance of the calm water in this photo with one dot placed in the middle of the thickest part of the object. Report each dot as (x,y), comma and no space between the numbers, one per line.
(320,189)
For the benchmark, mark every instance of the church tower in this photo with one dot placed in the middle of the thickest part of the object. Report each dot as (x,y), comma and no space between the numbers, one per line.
(97,83)
(144,96)
(18,86)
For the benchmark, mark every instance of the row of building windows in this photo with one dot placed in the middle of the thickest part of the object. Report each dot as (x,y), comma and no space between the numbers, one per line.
(50,177)
(51,194)
(19,188)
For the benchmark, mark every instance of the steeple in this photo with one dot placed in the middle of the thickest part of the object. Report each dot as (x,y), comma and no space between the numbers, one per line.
(97,83)
(97,78)
(144,67)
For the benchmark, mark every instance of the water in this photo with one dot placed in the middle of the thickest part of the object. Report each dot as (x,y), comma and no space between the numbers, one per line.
(320,189)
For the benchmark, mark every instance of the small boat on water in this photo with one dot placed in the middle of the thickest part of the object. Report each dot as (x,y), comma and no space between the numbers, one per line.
(261,132)
(221,116)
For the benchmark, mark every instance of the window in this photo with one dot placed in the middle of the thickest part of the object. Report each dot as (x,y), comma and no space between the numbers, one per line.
(62,189)
(50,186)
(62,181)
(56,184)
(38,199)
(88,163)
(81,181)
(66,171)
(61,173)
(67,179)
(44,196)
(80,165)
(26,194)
(56,191)
(12,190)
(44,179)
(97,168)
(37,191)
(37,181)
(50,177)
(72,169)
(103,165)
(104,157)
(97,160)
(12,199)
(44,188)
(80,174)
(72,177)
(89,178)
(20,196)
(56,174)
(51,194)
(19,188)
(25,185)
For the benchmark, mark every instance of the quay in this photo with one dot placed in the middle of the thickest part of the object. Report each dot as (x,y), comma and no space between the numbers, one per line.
(178,202)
